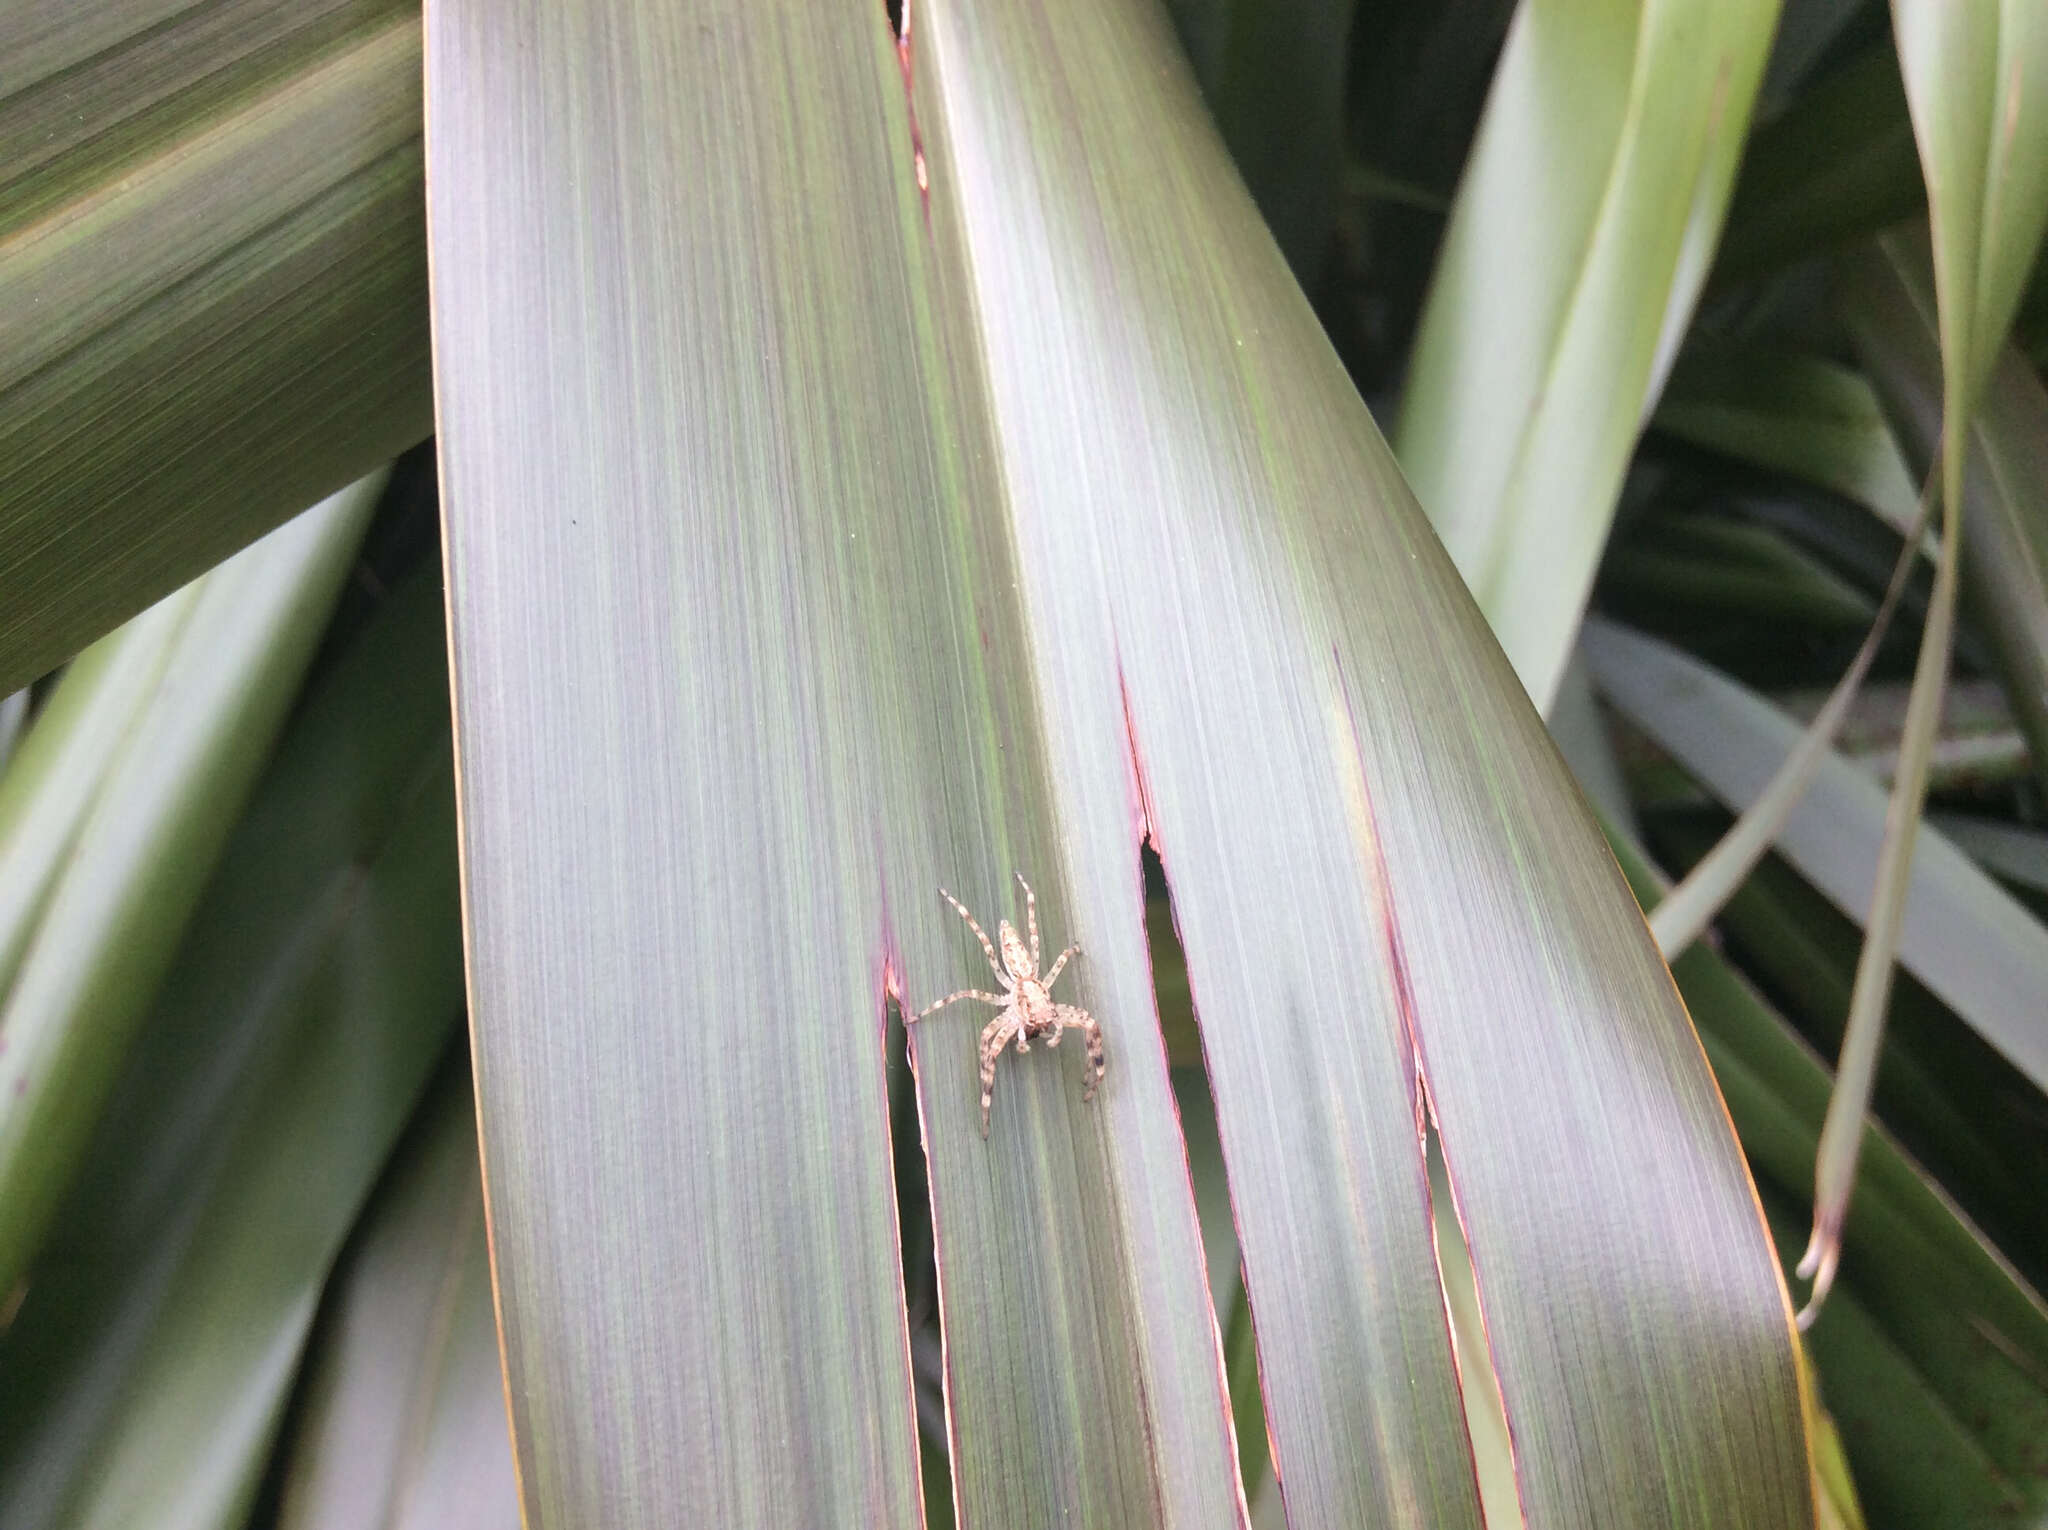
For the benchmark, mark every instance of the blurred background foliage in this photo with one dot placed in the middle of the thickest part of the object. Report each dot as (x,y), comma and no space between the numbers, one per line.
(243,1276)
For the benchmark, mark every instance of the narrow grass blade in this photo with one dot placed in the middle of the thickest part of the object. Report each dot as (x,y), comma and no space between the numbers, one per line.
(1976,82)
(402,1419)
(1952,1100)
(1582,232)
(1683,916)
(142,1380)
(116,890)
(1964,937)
(211,246)
(1887,303)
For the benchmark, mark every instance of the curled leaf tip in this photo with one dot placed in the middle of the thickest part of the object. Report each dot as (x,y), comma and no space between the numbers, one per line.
(1818,1264)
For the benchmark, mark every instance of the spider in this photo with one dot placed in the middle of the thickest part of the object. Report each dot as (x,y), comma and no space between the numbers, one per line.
(1027,1007)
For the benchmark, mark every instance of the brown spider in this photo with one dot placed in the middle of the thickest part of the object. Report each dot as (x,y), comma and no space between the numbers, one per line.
(1026,1000)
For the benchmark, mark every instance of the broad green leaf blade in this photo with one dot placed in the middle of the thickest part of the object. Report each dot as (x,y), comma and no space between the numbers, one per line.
(402,1424)
(1964,937)
(1921,1457)
(1976,79)
(1837,165)
(1581,235)
(211,246)
(1313,721)
(1887,304)
(913,551)
(143,1378)
(1965,1337)
(134,857)
(1794,412)
(786,572)
(1106,461)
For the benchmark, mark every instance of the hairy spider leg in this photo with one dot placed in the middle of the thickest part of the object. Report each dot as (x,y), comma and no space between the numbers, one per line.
(988,950)
(1091,1032)
(1030,915)
(1058,963)
(993,1039)
(965,993)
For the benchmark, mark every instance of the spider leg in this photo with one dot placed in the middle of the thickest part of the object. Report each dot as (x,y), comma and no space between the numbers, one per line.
(1030,915)
(1059,962)
(987,949)
(994,1038)
(1091,1032)
(965,993)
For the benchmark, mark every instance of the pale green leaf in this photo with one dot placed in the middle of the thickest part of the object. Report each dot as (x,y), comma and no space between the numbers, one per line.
(402,1424)
(144,1376)
(1581,235)
(142,789)
(1976,76)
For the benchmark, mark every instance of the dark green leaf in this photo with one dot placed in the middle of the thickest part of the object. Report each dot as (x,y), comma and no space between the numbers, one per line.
(211,247)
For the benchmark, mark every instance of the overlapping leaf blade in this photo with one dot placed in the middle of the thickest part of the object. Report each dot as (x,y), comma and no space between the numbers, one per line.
(1969,941)
(101,889)
(1795,412)
(403,1421)
(1976,79)
(1887,302)
(1934,1351)
(212,254)
(143,1378)
(1580,239)
(946,491)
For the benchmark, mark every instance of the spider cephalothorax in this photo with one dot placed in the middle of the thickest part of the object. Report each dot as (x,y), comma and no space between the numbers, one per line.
(1028,1010)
